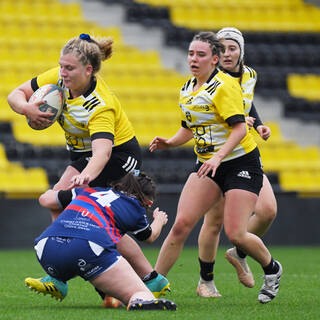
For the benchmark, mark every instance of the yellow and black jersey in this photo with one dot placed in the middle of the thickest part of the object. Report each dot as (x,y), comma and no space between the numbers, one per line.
(210,113)
(248,83)
(96,114)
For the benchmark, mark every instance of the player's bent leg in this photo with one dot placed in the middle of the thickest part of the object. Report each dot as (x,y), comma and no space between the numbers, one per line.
(238,207)
(48,285)
(121,281)
(265,210)
(131,251)
(158,286)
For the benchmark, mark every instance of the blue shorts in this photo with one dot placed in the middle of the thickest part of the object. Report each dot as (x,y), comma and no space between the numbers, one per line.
(65,258)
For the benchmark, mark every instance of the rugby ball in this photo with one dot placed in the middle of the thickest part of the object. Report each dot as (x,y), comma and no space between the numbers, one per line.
(54,99)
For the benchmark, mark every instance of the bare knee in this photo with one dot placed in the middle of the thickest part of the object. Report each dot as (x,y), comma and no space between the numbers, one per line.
(234,236)
(213,229)
(267,212)
(181,230)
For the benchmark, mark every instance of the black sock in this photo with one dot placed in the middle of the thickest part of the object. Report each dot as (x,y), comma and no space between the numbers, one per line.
(240,253)
(102,294)
(206,270)
(271,268)
(152,275)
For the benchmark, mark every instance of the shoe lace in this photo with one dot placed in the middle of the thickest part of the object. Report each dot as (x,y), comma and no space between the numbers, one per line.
(270,281)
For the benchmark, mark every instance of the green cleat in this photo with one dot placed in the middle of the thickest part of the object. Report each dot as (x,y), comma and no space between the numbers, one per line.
(56,288)
(158,286)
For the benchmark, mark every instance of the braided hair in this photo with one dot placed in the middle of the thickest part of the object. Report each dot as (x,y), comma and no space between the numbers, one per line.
(210,37)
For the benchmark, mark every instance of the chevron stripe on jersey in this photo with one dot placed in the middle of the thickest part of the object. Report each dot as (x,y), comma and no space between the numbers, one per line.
(248,83)
(89,105)
(211,89)
(206,110)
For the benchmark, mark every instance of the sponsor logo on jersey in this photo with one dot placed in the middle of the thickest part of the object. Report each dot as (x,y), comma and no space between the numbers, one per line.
(205,149)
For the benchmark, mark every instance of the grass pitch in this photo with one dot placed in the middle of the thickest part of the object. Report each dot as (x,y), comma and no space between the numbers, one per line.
(298,297)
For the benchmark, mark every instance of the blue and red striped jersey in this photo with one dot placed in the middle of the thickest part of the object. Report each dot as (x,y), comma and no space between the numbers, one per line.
(101,215)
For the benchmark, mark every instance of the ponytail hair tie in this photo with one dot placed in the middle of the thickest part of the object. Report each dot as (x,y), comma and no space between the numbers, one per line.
(136,172)
(85,36)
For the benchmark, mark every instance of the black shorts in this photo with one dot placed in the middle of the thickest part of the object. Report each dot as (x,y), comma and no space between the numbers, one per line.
(124,158)
(243,173)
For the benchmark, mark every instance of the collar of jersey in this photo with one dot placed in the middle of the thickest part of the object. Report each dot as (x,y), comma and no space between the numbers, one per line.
(89,91)
(215,71)
(233,74)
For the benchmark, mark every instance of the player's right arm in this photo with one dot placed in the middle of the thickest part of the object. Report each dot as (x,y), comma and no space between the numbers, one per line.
(18,101)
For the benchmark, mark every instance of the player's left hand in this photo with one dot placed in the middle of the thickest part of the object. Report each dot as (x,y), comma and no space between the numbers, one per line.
(264,132)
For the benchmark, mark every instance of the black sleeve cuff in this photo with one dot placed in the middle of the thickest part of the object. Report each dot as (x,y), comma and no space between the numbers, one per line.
(64,198)
(184,124)
(34,84)
(254,113)
(103,135)
(144,234)
(237,118)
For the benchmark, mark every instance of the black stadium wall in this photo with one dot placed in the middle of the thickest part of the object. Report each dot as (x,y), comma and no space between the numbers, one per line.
(297,222)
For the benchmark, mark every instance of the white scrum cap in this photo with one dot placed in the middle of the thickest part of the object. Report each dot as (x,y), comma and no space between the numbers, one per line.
(232,34)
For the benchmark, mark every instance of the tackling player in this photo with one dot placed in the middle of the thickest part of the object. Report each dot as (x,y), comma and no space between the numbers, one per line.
(82,240)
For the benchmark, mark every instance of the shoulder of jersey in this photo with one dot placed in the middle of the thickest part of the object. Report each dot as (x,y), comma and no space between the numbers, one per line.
(224,78)
(250,71)
(187,83)
(222,75)
(101,84)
